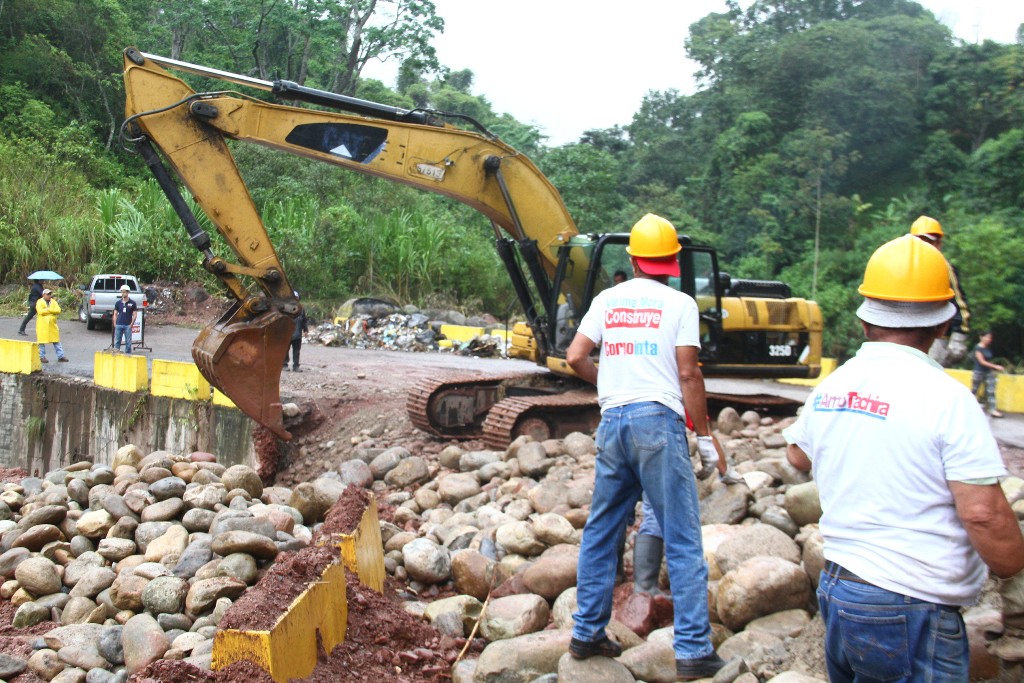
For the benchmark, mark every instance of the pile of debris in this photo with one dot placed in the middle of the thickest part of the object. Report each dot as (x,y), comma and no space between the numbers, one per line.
(377,324)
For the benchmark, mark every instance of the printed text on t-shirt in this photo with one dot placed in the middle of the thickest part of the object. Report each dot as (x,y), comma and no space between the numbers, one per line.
(632,317)
(852,402)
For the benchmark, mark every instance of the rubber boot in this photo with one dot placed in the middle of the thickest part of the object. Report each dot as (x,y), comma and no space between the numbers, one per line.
(647,554)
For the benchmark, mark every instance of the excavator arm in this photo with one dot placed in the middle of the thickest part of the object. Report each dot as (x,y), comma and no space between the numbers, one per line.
(242,354)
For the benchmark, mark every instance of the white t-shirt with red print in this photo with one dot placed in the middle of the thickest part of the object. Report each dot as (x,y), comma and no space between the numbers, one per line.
(886,433)
(638,325)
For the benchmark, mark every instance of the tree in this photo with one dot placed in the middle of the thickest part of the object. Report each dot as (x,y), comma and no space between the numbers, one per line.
(975,93)
(995,178)
(587,179)
(817,159)
(380,29)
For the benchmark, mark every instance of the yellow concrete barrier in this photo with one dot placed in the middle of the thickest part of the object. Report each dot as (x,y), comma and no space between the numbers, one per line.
(19,357)
(461,333)
(362,551)
(502,334)
(176,379)
(962,376)
(289,649)
(1010,393)
(120,371)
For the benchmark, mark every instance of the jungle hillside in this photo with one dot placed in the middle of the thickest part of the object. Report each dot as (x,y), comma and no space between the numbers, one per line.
(818,131)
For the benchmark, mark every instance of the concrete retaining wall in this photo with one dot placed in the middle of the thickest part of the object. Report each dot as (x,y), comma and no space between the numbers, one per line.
(51,422)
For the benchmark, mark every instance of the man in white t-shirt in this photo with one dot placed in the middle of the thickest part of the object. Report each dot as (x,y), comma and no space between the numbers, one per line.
(649,336)
(907,472)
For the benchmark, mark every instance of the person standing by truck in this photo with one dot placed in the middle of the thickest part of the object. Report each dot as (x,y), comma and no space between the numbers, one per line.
(34,295)
(125,312)
(47,310)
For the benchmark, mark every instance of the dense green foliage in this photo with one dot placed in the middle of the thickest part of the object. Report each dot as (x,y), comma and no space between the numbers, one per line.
(818,131)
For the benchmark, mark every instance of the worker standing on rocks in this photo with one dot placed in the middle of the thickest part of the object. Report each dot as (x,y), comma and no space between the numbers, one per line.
(907,472)
(649,337)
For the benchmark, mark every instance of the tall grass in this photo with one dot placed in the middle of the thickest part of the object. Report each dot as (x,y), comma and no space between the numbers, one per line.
(45,217)
(372,239)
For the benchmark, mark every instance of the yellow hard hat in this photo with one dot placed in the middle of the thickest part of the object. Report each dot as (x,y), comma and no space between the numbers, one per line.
(926,226)
(907,269)
(653,237)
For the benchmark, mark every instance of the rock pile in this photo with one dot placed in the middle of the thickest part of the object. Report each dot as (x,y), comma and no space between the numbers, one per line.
(502,530)
(139,560)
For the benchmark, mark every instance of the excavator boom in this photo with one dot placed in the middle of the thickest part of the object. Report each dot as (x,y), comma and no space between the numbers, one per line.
(242,354)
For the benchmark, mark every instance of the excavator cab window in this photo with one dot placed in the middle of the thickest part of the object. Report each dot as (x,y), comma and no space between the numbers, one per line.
(350,141)
(698,268)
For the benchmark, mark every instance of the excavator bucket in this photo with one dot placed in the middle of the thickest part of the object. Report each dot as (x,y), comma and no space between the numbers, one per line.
(242,356)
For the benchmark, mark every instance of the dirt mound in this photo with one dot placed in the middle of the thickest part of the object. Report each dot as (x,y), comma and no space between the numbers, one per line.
(383,642)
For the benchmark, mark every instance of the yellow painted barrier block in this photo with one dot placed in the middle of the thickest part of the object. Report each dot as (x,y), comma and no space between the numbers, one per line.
(962,376)
(461,333)
(1010,393)
(19,357)
(120,371)
(362,551)
(289,649)
(444,343)
(220,399)
(176,379)
(828,365)
(502,334)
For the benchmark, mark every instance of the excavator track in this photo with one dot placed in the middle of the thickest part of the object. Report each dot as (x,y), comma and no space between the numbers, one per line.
(541,417)
(767,404)
(460,408)
(455,408)
(499,408)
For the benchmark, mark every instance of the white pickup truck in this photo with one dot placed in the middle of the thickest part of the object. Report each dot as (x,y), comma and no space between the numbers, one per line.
(102,293)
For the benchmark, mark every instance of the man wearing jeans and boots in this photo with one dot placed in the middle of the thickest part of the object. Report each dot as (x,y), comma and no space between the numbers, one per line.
(649,336)
(908,474)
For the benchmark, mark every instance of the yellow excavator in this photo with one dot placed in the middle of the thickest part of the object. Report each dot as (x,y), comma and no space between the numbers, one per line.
(750,328)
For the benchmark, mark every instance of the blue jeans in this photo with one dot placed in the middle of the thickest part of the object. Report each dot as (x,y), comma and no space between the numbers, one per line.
(56,347)
(642,446)
(649,524)
(872,634)
(125,332)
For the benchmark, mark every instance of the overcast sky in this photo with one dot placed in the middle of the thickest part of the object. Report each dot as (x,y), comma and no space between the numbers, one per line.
(568,66)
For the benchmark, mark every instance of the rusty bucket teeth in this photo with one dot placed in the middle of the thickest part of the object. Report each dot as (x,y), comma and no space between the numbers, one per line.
(242,356)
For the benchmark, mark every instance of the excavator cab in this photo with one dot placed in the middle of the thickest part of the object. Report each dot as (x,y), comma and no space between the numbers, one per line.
(605,258)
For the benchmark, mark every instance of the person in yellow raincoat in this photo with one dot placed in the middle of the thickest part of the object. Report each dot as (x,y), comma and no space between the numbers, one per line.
(47,310)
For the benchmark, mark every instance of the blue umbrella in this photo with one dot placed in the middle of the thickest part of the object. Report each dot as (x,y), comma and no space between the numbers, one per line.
(45,275)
